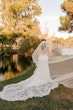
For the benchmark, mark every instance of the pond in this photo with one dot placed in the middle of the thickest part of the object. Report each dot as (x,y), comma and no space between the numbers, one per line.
(13,65)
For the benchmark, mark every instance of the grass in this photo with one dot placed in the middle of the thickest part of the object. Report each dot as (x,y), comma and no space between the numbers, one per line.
(60,98)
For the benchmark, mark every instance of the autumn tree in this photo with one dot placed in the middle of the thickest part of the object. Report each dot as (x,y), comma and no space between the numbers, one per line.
(19,20)
(67,20)
(18,16)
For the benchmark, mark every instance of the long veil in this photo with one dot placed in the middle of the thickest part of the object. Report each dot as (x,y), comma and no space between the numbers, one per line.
(60,62)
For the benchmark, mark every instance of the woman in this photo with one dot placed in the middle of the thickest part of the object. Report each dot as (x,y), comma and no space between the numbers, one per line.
(40,83)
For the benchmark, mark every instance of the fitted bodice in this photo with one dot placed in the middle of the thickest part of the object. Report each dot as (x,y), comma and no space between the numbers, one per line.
(43,58)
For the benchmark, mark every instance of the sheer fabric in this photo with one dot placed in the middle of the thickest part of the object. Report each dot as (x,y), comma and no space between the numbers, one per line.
(41,82)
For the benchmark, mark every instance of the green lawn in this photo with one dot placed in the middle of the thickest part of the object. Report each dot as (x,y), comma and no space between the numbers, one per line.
(59,99)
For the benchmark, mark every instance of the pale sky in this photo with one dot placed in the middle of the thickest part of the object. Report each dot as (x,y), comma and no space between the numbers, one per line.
(49,19)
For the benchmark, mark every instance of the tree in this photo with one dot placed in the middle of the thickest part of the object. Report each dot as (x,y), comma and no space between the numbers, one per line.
(67,20)
(18,16)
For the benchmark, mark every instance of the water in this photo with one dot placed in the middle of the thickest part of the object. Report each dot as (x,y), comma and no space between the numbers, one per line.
(67,51)
(13,65)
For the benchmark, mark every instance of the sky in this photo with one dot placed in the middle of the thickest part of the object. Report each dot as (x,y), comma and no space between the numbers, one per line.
(49,19)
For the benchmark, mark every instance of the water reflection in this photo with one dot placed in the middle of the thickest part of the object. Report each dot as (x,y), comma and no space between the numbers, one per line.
(13,65)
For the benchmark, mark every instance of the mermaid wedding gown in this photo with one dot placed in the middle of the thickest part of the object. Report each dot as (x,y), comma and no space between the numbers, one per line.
(41,82)
(38,85)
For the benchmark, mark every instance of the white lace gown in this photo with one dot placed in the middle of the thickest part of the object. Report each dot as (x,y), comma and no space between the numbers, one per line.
(38,85)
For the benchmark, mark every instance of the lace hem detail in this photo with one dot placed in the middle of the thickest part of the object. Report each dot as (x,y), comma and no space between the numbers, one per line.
(21,93)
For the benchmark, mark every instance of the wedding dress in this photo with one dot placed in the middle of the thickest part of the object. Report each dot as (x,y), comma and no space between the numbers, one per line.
(40,83)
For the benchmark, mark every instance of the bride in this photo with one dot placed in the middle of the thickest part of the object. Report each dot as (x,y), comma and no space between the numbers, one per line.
(40,83)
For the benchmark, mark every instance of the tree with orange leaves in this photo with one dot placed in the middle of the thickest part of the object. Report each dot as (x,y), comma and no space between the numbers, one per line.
(67,20)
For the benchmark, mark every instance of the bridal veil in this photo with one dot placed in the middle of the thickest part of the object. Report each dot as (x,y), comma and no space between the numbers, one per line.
(66,78)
